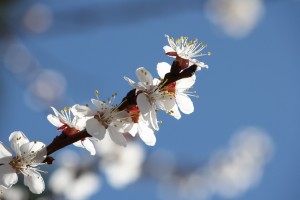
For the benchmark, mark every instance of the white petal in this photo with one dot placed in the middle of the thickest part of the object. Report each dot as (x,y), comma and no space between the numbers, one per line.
(122,126)
(143,103)
(17,139)
(146,134)
(78,144)
(117,137)
(95,129)
(82,111)
(162,69)
(4,152)
(133,131)
(80,122)
(123,115)
(35,148)
(6,160)
(185,104)
(198,63)
(144,75)
(165,103)
(127,127)
(100,104)
(185,83)
(156,81)
(54,120)
(89,146)
(55,111)
(168,49)
(34,181)
(175,112)
(8,176)
(133,84)
(153,119)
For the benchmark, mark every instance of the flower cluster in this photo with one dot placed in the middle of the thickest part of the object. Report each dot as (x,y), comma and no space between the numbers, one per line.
(29,155)
(82,125)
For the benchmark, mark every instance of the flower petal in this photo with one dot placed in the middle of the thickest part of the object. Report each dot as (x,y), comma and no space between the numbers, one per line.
(117,137)
(34,181)
(185,104)
(78,144)
(17,139)
(56,112)
(168,49)
(8,176)
(6,160)
(133,84)
(156,81)
(100,104)
(175,112)
(198,63)
(88,145)
(185,83)
(4,152)
(95,129)
(80,122)
(54,120)
(34,152)
(162,69)
(144,76)
(146,134)
(153,119)
(166,102)
(134,129)
(82,111)
(143,103)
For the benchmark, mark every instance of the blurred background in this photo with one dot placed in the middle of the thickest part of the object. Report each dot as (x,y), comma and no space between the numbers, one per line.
(240,143)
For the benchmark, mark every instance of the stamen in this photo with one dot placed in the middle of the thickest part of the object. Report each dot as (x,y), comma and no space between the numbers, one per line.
(97,94)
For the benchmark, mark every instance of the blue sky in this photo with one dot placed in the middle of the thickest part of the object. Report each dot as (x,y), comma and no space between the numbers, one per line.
(251,81)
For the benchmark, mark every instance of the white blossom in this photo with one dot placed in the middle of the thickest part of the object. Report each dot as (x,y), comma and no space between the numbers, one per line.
(70,123)
(151,97)
(236,18)
(121,166)
(186,50)
(71,177)
(141,126)
(106,119)
(179,89)
(29,155)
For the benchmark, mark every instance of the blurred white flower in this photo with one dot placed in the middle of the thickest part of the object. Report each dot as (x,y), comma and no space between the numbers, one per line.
(38,18)
(72,180)
(240,167)
(229,173)
(121,166)
(71,124)
(14,193)
(44,88)
(29,155)
(237,18)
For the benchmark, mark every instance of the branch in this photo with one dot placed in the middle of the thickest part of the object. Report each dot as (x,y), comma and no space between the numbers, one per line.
(62,141)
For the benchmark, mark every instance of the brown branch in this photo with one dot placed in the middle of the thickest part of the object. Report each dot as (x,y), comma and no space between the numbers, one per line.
(62,141)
